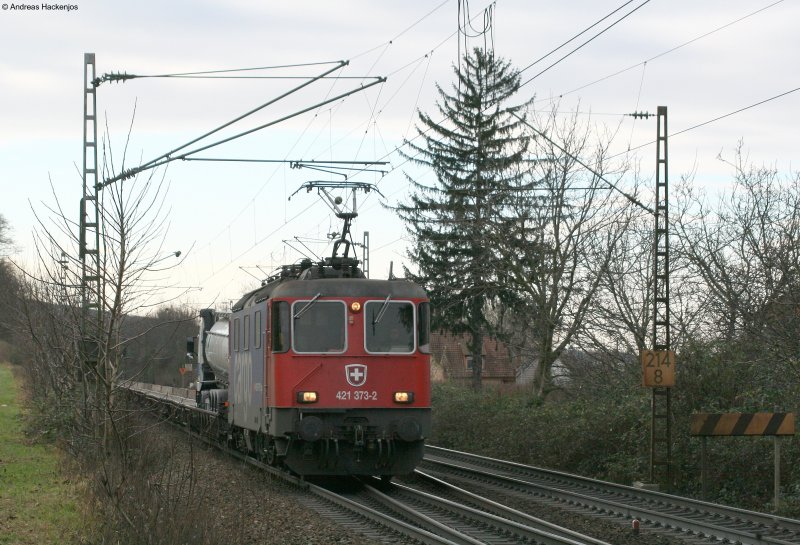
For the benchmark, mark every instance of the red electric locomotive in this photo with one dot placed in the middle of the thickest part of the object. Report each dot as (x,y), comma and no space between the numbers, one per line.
(322,370)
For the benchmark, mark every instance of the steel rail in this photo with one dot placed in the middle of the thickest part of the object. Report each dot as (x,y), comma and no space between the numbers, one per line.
(424,528)
(482,521)
(660,510)
(654,518)
(413,514)
(351,507)
(593,505)
(759,522)
(418,533)
(509,512)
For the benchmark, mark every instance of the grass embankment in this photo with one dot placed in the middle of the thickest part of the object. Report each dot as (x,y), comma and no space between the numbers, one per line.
(38,504)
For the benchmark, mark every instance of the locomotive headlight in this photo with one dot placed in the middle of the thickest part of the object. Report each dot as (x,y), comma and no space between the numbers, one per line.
(306,397)
(355,306)
(403,397)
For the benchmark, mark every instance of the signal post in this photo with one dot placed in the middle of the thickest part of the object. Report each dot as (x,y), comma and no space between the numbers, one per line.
(658,363)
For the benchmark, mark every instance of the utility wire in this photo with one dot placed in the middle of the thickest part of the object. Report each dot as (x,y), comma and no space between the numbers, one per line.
(631,198)
(587,41)
(704,123)
(390,42)
(259,77)
(168,158)
(581,33)
(684,44)
(153,162)
(638,64)
(293,163)
(117,77)
(408,141)
(427,55)
(630,67)
(737,111)
(643,63)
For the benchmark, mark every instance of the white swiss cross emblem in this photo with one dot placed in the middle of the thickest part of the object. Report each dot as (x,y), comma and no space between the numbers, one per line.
(356,374)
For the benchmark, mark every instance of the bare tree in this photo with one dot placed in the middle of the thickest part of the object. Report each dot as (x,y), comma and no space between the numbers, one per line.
(5,236)
(745,248)
(83,385)
(133,230)
(617,325)
(562,237)
(8,282)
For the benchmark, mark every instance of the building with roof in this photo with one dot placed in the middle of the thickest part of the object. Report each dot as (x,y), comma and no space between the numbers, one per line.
(451,359)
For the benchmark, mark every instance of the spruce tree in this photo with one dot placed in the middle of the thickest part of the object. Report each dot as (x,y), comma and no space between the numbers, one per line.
(476,153)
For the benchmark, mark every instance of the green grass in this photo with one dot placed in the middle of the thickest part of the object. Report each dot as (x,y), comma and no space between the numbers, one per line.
(38,505)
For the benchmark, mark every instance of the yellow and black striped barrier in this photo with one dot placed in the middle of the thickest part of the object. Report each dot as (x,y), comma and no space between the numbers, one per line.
(728,424)
(742,424)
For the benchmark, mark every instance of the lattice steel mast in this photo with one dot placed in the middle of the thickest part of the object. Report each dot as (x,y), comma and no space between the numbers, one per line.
(89,238)
(661,428)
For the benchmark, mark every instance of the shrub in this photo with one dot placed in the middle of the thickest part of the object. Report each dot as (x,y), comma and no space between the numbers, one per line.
(601,429)
(573,435)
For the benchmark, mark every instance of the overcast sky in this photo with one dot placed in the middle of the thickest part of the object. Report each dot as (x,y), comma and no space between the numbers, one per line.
(235,216)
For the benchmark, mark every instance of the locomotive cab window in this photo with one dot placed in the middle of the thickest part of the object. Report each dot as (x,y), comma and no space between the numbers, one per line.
(389,327)
(318,326)
(424,328)
(280,326)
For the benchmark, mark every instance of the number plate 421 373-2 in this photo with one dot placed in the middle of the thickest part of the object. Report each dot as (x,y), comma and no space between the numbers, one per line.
(357,395)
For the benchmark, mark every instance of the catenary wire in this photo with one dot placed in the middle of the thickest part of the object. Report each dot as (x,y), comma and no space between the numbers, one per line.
(221,71)
(638,64)
(575,37)
(704,123)
(668,51)
(698,125)
(586,42)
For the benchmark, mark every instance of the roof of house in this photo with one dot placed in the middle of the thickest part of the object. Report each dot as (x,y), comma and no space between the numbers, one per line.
(450,352)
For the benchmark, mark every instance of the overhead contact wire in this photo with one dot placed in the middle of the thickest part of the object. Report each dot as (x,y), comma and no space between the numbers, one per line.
(415,23)
(155,161)
(704,123)
(684,44)
(637,8)
(225,71)
(578,35)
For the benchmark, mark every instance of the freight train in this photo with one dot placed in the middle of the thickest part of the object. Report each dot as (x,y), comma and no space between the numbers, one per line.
(321,370)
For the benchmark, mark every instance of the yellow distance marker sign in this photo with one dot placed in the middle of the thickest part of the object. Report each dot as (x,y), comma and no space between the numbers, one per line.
(658,368)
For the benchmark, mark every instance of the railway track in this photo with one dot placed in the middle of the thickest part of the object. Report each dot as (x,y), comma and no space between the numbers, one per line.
(690,521)
(173,404)
(456,516)
(432,509)
(442,515)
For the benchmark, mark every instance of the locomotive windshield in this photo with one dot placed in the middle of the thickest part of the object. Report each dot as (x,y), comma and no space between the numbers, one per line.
(394,331)
(318,327)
